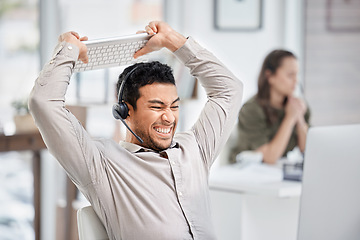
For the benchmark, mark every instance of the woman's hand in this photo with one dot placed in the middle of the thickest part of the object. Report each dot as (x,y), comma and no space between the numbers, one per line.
(295,108)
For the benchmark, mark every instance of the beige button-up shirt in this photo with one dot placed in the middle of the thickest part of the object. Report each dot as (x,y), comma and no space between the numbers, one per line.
(139,193)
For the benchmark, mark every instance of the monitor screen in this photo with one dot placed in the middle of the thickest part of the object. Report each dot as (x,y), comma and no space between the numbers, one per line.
(330,200)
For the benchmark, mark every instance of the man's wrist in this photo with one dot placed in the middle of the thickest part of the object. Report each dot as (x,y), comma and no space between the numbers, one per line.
(175,41)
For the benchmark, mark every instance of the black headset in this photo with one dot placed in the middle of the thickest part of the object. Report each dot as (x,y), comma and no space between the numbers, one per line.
(120,109)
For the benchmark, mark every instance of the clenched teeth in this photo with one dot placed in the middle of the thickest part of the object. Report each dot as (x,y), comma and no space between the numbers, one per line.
(162,130)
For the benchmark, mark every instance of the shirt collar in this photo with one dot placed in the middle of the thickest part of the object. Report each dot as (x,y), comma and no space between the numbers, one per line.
(131,147)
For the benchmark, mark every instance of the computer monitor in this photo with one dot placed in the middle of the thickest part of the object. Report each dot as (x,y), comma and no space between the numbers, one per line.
(330,200)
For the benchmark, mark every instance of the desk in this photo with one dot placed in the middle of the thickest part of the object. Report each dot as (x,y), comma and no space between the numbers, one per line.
(33,142)
(254,203)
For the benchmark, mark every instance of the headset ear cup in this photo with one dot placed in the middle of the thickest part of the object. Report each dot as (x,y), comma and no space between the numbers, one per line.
(116,111)
(123,110)
(120,110)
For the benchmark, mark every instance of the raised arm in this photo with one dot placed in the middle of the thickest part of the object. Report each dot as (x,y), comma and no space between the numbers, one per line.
(224,92)
(63,134)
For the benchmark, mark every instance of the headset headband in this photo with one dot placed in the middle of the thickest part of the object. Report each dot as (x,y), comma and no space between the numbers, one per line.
(122,86)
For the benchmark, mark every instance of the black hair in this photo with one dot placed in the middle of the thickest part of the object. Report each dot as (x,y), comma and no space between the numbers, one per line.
(144,74)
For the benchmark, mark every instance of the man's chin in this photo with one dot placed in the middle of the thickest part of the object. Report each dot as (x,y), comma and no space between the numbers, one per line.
(161,145)
(156,143)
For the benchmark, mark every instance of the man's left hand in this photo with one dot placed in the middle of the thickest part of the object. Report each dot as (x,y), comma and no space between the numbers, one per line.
(74,38)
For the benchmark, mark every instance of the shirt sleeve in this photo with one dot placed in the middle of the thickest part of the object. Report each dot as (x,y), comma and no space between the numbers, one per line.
(62,133)
(224,92)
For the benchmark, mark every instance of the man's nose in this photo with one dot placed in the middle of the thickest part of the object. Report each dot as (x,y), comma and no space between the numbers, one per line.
(168,116)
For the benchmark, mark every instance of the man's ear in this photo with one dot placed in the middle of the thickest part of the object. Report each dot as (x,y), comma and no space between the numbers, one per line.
(129,118)
(131,110)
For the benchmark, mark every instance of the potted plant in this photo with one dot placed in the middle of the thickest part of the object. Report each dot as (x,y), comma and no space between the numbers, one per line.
(22,118)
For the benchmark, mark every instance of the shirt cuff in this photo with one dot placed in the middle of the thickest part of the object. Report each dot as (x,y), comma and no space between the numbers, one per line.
(67,49)
(188,51)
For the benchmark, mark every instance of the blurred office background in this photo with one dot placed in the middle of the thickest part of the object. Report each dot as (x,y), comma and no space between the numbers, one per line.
(324,34)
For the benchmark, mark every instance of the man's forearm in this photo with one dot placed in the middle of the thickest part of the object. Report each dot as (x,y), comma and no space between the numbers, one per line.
(224,92)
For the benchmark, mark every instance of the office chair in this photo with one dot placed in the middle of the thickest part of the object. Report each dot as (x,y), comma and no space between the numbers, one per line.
(89,225)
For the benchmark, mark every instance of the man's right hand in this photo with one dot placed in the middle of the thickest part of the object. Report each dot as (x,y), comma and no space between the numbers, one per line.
(74,38)
(164,36)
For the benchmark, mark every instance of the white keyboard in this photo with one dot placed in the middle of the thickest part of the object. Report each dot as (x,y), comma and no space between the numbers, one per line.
(111,52)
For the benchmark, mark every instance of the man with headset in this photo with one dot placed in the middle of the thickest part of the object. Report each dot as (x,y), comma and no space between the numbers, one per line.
(154,185)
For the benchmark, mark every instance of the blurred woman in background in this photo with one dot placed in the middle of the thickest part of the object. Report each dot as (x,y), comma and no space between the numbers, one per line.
(274,121)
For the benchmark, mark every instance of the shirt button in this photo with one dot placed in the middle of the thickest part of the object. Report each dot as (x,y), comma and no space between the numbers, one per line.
(180,194)
(70,47)
(52,61)
(173,162)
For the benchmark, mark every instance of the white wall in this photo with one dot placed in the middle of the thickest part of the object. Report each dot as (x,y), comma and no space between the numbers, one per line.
(242,51)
